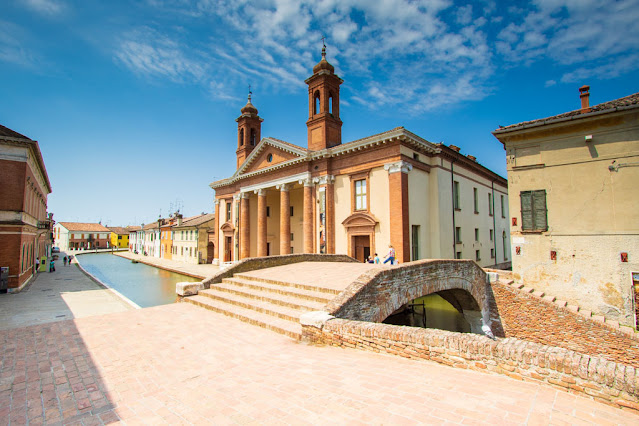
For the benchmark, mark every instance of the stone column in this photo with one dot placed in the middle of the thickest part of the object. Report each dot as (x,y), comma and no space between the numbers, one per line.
(261,222)
(285,220)
(330,215)
(308,216)
(398,204)
(216,247)
(245,230)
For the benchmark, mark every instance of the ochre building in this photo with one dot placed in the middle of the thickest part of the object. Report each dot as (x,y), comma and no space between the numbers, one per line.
(574,186)
(357,198)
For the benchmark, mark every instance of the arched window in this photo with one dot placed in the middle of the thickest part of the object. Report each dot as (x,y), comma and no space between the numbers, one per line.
(253,137)
(241,137)
(330,102)
(316,102)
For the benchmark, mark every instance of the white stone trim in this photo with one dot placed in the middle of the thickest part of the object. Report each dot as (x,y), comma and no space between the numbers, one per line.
(276,182)
(398,166)
(324,180)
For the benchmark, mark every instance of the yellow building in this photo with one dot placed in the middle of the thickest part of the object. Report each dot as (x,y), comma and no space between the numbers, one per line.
(119,237)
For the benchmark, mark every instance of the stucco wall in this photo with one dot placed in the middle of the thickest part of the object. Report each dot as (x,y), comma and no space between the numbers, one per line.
(418,209)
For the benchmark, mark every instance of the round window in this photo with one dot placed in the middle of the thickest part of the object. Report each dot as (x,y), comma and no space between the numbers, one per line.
(269,158)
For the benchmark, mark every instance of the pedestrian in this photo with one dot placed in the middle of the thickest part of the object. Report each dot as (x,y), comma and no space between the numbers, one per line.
(37,264)
(390,257)
(52,265)
(70,259)
(65,260)
(377,261)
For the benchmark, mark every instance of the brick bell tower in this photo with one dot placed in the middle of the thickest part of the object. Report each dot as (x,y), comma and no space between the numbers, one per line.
(249,131)
(324,125)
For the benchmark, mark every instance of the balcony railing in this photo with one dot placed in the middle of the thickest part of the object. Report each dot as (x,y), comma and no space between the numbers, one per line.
(44,224)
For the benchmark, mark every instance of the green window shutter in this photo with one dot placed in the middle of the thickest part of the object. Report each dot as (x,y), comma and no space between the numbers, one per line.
(539,210)
(526,211)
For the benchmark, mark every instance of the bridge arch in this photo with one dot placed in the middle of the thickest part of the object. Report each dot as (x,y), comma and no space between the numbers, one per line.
(377,294)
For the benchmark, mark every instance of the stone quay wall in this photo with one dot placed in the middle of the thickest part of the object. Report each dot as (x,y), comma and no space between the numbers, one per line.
(611,382)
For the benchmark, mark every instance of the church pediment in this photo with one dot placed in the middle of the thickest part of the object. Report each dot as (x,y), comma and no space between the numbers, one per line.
(271,152)
(359,220)
(227,227)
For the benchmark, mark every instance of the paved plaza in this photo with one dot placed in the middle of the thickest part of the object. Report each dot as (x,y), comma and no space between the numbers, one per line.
(180,364)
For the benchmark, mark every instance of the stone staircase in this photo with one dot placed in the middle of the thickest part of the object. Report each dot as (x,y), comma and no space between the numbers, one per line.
(271,304)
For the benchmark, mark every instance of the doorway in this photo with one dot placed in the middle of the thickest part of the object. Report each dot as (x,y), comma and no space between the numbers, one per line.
(228,245)
(210,252)
(362,245)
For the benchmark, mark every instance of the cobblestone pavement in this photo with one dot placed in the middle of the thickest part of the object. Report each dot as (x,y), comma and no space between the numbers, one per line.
(199,271)
(180,364)
(55,296)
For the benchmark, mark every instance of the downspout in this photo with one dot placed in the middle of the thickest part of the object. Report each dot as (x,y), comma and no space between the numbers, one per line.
(492,188)
(452,193)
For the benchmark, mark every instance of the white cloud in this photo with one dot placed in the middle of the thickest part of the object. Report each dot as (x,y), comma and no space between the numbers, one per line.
(12,49)
(550,83)
(46,7)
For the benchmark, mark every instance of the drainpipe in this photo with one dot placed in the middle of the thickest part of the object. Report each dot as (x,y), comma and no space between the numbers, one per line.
(492,188)
(452,193)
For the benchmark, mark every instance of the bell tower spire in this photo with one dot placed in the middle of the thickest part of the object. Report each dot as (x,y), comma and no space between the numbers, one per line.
(324,125)
(249,130)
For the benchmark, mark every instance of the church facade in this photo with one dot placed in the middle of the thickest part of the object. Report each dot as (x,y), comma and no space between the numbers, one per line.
(358,198)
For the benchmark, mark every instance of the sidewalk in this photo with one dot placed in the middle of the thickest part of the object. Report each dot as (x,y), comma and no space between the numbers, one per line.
(64,294)
(201,271)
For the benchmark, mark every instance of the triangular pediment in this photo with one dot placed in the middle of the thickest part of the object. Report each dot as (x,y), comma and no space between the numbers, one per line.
(269,153)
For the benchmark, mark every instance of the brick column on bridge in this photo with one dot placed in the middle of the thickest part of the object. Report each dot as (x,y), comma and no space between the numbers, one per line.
(245,230)
(261,222)
(285,220)
(308,216)
(398,203)
(216,246)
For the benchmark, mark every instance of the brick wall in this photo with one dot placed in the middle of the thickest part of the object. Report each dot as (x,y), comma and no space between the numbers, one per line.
(603,380)
(525,316)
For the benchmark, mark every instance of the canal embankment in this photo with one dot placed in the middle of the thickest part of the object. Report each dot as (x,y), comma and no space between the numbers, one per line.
(200,271)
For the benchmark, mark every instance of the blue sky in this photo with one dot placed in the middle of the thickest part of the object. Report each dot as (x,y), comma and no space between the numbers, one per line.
(134,102)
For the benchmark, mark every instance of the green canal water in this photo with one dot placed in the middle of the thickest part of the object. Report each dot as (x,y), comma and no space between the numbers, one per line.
(145,285)
(438,313)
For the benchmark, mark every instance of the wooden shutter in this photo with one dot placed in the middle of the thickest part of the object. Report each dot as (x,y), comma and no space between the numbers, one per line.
(539,210)
(526,211)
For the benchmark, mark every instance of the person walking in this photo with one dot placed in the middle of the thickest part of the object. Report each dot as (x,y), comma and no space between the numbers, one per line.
(52,265)
(65,260)
(37,264)
(390,257)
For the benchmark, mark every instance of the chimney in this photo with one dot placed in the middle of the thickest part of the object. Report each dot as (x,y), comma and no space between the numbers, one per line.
(472,158)
(179,219)
(584,94)
(454,148)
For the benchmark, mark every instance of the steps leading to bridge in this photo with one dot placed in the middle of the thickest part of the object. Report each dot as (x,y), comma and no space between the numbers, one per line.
(268,303)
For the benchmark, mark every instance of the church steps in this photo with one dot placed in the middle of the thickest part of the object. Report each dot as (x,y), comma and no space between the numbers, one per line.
(329,291)
(279,311)
(286,327)
(279,288)
(291,301)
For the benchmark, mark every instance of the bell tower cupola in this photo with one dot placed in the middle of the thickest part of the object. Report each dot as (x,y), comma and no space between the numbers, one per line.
(324,125)
(249,130)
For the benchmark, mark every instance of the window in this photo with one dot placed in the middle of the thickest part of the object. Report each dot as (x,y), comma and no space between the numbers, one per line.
(241,137)
(458,255)
(476,234)
(415,242)
(182,251)
(490,204)
(292,211)
(491,235)
(533,211)
(492,253)
(415,156)
(253,137)
(316,102)
(504,241)
(292,236)
(477,255)
(228,212)
(191,251)
(475,200)
(456,204)
(269,158)
(458,235)
(268,211)
(360,194)
(503,206)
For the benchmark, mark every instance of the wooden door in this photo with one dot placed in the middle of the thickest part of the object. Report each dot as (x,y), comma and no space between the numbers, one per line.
(227,248)
(362,247)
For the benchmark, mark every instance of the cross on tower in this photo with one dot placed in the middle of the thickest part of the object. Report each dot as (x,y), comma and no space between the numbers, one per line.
(323,42)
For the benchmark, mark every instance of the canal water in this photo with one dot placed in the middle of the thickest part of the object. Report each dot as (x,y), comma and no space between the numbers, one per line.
(431,311)
(145,285)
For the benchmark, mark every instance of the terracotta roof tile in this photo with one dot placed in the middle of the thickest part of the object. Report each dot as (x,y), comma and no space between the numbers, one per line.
(118,230)
(197,220)
(610,105)
(88,227)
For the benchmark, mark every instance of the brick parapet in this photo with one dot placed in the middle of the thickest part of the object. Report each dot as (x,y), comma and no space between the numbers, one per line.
(604,380)
(255,263)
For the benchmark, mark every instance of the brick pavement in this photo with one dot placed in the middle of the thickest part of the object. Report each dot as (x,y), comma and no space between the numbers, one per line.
(180,364)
